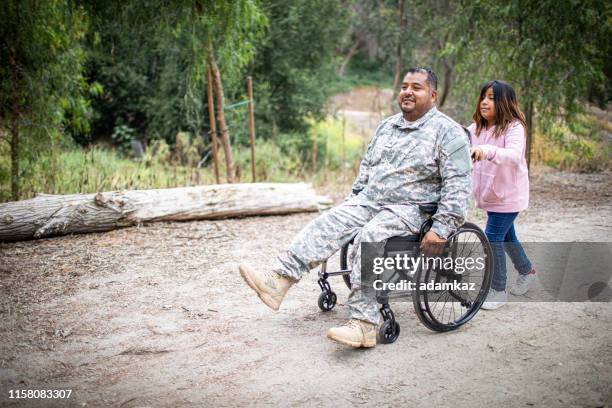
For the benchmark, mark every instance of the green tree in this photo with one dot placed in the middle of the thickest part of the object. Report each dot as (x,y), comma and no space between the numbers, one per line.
(294,63)
(152,56)
(41,85)
(438,31)
(552,51)
(230,29)
(379,36)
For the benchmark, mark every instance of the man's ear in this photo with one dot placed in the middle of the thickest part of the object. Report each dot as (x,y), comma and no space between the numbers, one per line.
(434,95)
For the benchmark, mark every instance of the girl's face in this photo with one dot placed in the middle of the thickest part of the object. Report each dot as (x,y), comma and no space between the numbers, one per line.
(487,107)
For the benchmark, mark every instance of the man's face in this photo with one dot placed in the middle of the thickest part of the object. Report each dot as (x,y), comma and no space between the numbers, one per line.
(416,96)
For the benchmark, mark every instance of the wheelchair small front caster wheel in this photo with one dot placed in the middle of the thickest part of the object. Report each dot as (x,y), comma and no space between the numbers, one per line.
(389,331)
(327,301)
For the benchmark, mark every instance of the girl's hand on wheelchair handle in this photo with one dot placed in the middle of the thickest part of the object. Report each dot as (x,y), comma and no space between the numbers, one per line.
(477,154)
(432,244)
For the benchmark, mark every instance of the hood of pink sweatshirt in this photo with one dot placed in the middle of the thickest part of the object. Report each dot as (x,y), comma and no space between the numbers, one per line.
(501,181)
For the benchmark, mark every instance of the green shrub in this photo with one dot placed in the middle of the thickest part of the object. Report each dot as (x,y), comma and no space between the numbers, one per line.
(97,169)
(335,143)
(272,163)
(576,146)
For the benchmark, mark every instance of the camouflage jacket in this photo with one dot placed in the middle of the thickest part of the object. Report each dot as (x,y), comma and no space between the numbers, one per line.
(412,163)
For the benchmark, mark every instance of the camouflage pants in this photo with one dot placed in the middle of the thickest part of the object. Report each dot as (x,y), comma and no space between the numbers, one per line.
(326,234)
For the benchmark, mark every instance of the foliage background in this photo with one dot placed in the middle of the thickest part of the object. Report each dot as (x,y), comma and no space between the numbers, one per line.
(81,80)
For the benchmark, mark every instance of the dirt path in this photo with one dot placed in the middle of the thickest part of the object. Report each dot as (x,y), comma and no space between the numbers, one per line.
(362,108)
(158,316)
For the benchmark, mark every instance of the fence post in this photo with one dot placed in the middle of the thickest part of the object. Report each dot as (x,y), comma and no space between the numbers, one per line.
(344,146)
(315,151)
(251,125)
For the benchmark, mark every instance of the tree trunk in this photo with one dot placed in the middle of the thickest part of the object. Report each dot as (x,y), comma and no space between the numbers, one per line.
(274,131)
(225,139)
(15,160)
(49,215)
(351,53)
(213,125)
(398,63)
(14,141)
(448,78)
(529,120)
(315,152)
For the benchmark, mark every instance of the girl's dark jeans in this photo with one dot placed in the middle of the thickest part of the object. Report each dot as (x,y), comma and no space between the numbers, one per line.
(501,234)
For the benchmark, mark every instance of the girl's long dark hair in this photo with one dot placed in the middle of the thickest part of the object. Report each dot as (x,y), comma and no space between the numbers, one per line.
(506,108)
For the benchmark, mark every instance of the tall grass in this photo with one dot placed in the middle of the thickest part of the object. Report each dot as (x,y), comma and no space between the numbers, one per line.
(98,169)
(579,147)
(75,170)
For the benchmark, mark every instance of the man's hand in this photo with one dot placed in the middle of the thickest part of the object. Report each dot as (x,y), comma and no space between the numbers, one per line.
(432,244)
(477,154)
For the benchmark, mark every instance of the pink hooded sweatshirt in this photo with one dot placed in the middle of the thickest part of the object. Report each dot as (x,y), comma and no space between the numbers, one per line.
(501,182)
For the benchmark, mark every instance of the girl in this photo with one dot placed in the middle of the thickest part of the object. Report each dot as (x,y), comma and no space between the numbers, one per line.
(501,183)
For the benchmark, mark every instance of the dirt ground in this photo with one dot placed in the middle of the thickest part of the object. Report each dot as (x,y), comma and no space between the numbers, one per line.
(157,316)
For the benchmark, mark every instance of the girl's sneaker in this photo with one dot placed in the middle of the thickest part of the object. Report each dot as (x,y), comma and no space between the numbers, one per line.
(523,283)
(495,299)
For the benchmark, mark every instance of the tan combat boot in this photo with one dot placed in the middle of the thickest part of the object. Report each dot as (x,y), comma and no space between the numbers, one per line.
(269,286)
(355,333)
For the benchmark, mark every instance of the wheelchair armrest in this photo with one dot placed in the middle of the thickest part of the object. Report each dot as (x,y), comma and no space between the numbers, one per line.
(429,209)
(402,244)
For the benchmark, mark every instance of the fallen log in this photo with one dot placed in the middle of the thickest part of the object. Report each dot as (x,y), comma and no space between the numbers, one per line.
(49,215)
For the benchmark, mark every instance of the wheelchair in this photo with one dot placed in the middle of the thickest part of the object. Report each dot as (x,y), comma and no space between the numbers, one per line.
(439,305)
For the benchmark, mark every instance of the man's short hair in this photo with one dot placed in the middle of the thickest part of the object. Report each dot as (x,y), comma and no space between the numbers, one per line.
(432,78)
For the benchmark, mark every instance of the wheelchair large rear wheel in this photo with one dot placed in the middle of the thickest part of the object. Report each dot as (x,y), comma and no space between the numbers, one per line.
(447,297)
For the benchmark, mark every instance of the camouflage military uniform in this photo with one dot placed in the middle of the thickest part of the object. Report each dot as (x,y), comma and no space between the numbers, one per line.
(406,164)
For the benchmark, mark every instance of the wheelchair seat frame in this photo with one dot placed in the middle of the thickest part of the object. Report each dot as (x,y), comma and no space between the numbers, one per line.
(431,306)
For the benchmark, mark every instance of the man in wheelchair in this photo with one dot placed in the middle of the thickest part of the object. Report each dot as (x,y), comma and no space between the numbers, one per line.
(418,156)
